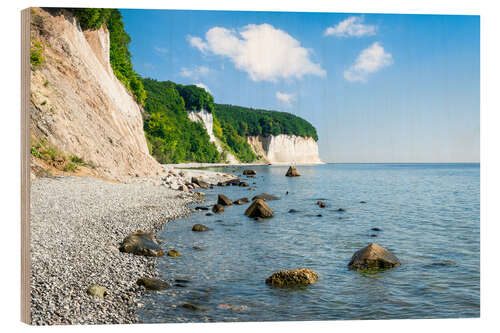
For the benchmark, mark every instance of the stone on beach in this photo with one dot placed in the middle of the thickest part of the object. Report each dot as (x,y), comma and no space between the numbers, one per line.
(97,290)
(292,172)
(218,208)
(224,201)
(291,278)
(373,256)
(141,243)
(152,283)
(265,197)
(198,181)
(200,227)
(259,208)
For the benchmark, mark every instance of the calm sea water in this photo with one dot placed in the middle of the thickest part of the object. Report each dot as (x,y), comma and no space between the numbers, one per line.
(428,213)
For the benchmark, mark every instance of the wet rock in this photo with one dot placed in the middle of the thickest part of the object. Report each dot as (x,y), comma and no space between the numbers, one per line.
(376,229)
(292,211)
(292,172)
(218,208)
(251,189)
(224,201)
(441,264)
(200,227)
(319,215)
(249,172)
(190,307)
(97,290)
(209,214)
(173,253)
(232,307)
(200,208)
(259,208)
(294,277)
(198,248)
(341,210)
(265,197)
(152,283)
(241,201)
(373,235)
(363,202)
(321,204)
(198,181)
(243,184)
(141,243)
(182,281)
(373,256)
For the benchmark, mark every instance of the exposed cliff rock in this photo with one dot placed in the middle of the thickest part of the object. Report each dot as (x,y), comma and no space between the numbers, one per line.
(207,119)
(77,103)
(286,149)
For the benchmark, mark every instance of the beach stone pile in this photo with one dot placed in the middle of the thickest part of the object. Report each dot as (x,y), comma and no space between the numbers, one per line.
(77,226)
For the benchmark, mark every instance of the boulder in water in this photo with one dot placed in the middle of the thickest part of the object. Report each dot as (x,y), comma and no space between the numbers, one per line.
(241,201)
(243,184)
(259,208)
(152,284)
(218,208)
(249,172)
(321,204)
(141,243)
(292,172)
(291,278)
(224,201)
(173,253)
(265,197)
(200,227)
(373,256)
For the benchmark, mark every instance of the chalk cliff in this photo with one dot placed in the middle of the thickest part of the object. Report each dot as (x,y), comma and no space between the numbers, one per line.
(286,149)
(79,106)
(207,119)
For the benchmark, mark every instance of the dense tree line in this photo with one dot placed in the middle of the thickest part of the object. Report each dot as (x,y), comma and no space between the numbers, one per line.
(119,54)
(253,122)
(172,137)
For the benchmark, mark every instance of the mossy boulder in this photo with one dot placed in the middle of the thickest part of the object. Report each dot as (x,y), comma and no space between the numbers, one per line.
(259,208)
(292,278)
(373,256)
(141,243)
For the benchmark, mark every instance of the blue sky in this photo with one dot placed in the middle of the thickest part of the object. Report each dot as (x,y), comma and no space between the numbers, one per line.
(377,87)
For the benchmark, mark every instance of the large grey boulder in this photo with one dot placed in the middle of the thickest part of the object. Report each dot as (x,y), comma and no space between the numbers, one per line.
(373,256)
(141,243)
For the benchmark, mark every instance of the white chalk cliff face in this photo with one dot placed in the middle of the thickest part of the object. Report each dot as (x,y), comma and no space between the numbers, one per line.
(79,106)
(207,119)
(286,149)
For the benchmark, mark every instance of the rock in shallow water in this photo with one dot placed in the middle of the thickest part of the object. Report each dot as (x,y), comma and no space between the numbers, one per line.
(218,208)
(153,284)
(373,256)
(141,243)
(292,172)
(173,253)
(223,200)
(241,201)
(293,277)
(200,227)
(265,197)
(259,208)
(249,172)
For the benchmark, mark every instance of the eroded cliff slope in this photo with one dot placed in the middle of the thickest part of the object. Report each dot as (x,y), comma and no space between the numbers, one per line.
(286,149)
(78,105)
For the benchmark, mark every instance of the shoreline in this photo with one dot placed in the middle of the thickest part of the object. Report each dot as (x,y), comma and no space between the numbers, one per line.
(77,225)
(194,165)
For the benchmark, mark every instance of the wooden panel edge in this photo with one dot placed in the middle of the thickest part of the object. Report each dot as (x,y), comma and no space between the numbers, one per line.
(25,167)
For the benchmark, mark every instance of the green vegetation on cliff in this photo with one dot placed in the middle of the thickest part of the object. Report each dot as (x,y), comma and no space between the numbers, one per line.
(254,122)
(172,137)
(119,55)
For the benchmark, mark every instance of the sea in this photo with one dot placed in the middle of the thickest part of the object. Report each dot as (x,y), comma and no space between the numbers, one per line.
(427,215)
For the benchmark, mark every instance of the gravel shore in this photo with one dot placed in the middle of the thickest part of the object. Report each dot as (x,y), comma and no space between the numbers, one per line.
(77,225)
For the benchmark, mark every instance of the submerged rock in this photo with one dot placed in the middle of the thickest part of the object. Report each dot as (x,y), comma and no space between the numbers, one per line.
(141,243)
(241,201)
(97,290)
(259,208)
(223,200)
(293,211)
(243,184)
(200,227)
(249,172)
(294,277)
(190,306)
(341,210)
(265,197)
(321,204)
(218,208)
(362,201)
(198,248)
(152,283)
(376,229)
(173,253)
(292,172)
(373,256)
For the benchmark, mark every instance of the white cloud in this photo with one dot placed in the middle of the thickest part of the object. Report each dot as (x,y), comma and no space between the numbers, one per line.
(369,61)
(264,52)
(161,50)
(285,98)
(351,27)
(196,72)
(201,85)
